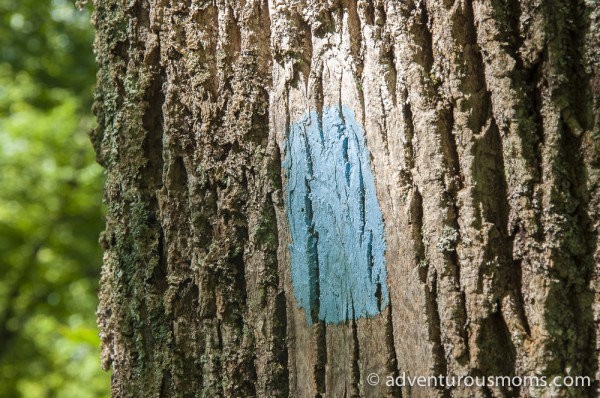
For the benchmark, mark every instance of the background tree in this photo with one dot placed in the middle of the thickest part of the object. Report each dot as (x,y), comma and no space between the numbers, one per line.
(256,150)
(50,204)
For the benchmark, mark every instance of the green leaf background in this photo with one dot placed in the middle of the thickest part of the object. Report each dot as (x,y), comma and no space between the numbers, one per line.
(50,203)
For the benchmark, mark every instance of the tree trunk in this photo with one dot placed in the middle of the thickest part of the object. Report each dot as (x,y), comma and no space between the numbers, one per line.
(303,193)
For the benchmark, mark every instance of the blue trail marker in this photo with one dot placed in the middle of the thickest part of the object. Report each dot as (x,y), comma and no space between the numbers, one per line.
(338,262)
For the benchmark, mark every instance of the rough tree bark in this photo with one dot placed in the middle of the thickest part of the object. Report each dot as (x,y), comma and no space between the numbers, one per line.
(482,121)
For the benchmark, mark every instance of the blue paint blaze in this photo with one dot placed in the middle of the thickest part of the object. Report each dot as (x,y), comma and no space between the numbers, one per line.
(338,263)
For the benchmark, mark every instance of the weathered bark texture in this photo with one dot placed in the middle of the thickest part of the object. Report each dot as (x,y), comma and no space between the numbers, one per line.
(482,120)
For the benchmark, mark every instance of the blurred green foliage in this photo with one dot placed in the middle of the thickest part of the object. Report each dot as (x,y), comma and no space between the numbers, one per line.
(50,203)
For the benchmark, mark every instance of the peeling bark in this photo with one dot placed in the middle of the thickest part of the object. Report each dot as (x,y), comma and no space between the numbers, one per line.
(482,120)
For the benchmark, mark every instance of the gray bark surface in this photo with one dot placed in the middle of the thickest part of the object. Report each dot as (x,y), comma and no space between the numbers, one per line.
(483,124)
